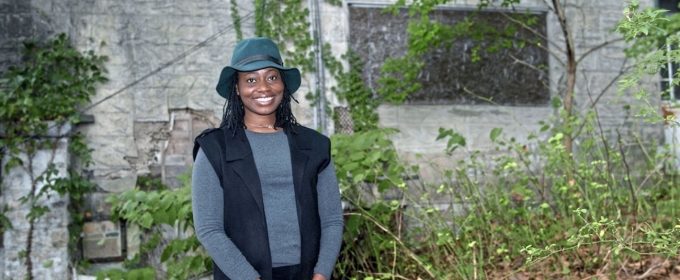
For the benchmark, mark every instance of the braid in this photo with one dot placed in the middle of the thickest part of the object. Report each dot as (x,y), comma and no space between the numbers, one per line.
(284,114)
(233,108)
(233,111)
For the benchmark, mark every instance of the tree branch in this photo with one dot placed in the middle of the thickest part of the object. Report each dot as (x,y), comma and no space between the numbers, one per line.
(602,45)
(538,34)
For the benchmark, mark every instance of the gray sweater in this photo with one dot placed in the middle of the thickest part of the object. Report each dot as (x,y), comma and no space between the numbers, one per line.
(272,160)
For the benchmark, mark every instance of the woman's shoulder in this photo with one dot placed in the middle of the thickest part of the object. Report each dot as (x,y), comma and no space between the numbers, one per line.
(311,138)
(310,133)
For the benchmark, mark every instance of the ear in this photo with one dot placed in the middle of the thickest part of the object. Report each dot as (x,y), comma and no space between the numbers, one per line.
(237,93)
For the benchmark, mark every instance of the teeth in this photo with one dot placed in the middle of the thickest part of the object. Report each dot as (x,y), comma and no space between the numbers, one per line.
(264,99)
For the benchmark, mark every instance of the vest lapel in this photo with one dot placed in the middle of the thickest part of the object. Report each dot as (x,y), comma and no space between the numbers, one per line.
(240,156)
(299,150)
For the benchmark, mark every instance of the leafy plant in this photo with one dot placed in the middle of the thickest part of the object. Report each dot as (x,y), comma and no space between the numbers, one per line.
(51,83)
(156,209)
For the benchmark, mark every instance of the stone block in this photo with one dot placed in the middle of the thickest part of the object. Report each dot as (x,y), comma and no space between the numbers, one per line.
(111,151)
(205,99)
(111,100)
(19,25)
(334,24)
(7,7)
(151,105)
(176,160)
(115,180)
(110,125)
(133,240)
(102,239)
(189,30)
(44,6)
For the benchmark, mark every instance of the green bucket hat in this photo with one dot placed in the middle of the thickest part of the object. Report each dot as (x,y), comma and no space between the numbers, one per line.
(253,54)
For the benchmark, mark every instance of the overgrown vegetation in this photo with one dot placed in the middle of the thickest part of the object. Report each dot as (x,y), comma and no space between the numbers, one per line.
(158,212)
(534,208)
(42,94)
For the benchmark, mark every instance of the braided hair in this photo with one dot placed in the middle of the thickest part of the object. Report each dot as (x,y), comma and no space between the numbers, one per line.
(233,111)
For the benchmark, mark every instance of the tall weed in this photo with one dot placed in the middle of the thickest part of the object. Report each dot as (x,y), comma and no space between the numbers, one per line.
(526,207)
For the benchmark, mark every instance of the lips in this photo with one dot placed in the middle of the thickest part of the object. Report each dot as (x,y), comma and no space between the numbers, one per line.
(264,99)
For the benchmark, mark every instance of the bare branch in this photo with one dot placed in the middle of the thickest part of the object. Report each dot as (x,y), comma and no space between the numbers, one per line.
(538,34)
(602,45)
(517,60)
(649,271)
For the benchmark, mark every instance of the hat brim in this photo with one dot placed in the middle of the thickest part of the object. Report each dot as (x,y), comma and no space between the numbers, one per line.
(290,74)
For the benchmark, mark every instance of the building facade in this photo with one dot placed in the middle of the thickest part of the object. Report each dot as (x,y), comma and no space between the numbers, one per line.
(165,58)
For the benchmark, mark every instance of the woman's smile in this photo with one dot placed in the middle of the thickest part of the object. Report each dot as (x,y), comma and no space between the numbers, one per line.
(264,101)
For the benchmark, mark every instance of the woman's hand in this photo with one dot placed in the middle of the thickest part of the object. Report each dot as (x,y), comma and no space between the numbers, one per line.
(318,276)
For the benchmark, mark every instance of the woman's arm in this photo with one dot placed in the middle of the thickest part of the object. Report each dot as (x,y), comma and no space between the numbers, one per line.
(330,213)
(208,205)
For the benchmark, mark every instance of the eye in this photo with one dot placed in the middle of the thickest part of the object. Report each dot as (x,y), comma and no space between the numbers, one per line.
(250,80)
(273,78)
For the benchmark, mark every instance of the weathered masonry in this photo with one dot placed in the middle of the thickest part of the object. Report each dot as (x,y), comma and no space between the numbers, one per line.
(161,90)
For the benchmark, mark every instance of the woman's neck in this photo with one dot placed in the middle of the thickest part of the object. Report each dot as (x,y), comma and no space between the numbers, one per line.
(262,124)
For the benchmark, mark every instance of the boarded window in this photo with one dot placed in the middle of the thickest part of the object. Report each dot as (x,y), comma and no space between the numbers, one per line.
(515,76)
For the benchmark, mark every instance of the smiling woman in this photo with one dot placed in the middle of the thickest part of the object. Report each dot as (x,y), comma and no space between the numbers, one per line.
(261,92)
(265,195)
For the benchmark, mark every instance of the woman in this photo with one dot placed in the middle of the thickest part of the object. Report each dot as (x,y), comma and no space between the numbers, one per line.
(265,196)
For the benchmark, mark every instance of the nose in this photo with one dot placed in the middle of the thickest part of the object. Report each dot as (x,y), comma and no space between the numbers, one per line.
(262,85)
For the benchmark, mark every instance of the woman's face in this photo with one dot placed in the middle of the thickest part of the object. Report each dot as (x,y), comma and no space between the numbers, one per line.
(261,91)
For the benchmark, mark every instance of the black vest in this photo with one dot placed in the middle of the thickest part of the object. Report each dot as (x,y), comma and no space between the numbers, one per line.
(230,155)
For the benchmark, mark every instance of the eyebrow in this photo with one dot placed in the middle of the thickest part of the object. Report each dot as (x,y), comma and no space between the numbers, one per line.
(266,72)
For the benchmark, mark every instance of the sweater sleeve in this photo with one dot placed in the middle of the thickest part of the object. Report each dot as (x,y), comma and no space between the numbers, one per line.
(208,206)
(330,214)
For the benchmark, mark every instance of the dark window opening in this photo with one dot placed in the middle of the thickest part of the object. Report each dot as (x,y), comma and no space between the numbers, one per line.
(670,5)
(516,76)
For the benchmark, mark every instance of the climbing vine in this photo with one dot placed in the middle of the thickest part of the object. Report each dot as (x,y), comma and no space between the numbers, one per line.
(37,97)
(359,97)
(236,18)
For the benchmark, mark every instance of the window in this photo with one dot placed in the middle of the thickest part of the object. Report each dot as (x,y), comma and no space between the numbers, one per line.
(669,73)
(668,78)
(516,76)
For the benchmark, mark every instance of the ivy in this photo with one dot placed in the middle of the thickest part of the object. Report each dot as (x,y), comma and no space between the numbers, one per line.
(45,92)
(351,88)
(236,18)
(400,76)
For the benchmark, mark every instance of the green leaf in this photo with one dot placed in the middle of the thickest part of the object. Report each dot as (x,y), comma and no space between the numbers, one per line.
(556,102)
(352,224)
(146,220)
(495,132)
(167,252)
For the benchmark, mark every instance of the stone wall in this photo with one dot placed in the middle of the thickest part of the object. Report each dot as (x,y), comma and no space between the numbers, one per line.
(592,23)
(49,254)
(162,78)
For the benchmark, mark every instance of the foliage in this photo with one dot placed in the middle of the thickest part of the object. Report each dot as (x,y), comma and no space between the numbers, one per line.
(157,210)
(400,75)
(351,88)
(286,22)
(512,213)
(44,93)
(651,33)
(118,274)
(236,18)
(52,83)
(530,208)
